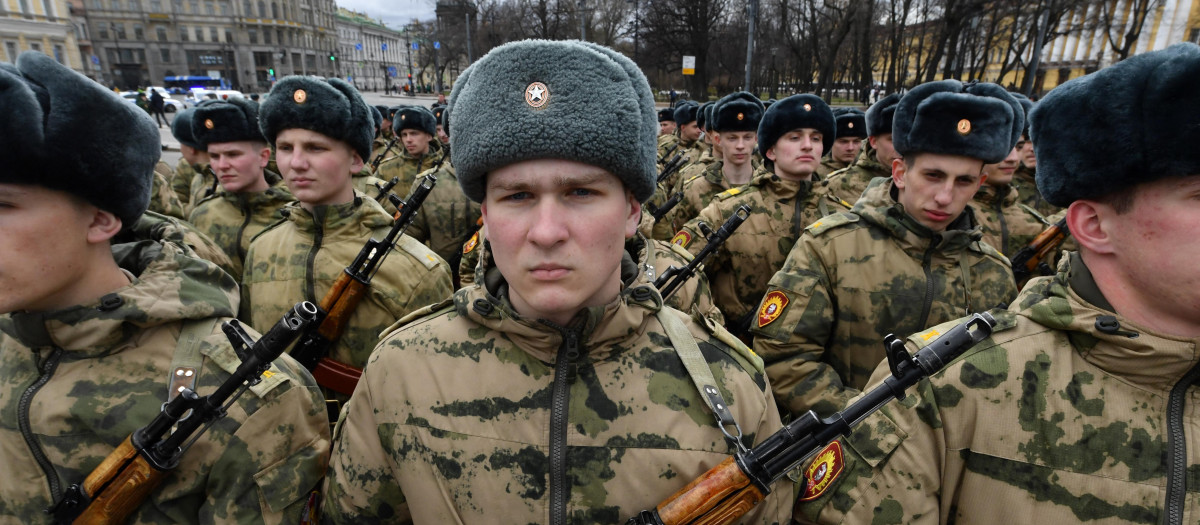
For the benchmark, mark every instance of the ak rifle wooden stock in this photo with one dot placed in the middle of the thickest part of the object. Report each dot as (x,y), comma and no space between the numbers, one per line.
(731,489)
(1030,261)
(343,297)
(674,277)
(119,485)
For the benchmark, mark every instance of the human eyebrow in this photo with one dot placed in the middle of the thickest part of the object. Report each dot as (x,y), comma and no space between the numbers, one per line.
(580,180)
(12,193)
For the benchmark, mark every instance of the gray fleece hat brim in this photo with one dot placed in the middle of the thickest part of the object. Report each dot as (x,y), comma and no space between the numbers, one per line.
(976,120)
(45,106)
(569,100)
(415,117)
(1129,123)
(880,114)
(330,107)
(181,129)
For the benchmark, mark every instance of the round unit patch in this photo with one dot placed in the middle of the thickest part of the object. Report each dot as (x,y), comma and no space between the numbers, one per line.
(536,95)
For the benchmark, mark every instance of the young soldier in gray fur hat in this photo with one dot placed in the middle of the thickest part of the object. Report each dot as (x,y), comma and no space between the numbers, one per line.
(417,129)
(906,257)
(192,177)
(556,140)
(102,308)
(1020,429)
(322,131)
(851,130)
(874,159)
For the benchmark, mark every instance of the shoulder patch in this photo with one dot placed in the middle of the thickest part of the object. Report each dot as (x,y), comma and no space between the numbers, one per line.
(729,193)
(224,357)
(693,178)
(471,243)
(428,311)
(772,307)
(821,473)
(419,251)
(682,239)
(745,352)
(825,224)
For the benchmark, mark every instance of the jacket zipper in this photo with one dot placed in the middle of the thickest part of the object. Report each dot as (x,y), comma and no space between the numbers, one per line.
(1177,448)
(47,369)
(926,263)
(565,370)
(318,237)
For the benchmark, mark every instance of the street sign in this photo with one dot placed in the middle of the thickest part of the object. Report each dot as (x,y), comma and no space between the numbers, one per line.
(384,46)
(414,46)
(689,65)
(95,60)
(391,71)
(437,45)
(358,46)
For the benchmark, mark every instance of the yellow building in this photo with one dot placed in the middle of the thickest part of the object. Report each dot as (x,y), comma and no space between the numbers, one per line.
(39,25)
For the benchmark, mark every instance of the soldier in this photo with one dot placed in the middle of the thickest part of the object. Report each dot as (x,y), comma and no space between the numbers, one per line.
(162,197)
(321,131)
(442,136)
(782,201)
(851,131)
(560,319)
(1007,226)
(666,122)
(251,197)
(93,323)
(417,129)
(875,160)
(1024,181)
(1077,408)
(193,162)
(907,257)
(689,131)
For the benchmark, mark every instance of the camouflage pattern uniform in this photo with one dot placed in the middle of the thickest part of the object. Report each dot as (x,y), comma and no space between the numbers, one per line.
(79,381)
(694,296)
(740,269)
(420,443)
(829,165)
(667,143)
(182,233)
(181,183)
(1028,193)
(204,184)
(232,219)
(301,257)
(407,166)
(380,147)
(1048,421)
(1006,225)
(162,196)
(849,184)
(447,218)
(698,190)
(851,279)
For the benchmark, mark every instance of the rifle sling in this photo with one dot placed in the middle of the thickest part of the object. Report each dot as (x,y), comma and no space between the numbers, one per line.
(702,376)
(185,365)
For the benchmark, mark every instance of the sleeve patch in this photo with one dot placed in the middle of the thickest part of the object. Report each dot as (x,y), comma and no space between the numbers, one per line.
(470,245)
(772,307)
(823,471)
(682,239)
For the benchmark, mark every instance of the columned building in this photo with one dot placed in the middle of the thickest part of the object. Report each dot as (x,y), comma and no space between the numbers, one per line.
(238,44)
(370,55)
(39,25)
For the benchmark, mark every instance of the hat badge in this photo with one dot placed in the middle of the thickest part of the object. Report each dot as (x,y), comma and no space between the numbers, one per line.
(300,96)
(741,116)
(403,117)
(208,123)
(536,95)
(808,107)
(850,125)
(964,127)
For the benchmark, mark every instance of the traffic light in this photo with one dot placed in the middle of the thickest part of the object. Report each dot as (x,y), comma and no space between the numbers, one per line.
(271,71)
(410,77)
(332,58)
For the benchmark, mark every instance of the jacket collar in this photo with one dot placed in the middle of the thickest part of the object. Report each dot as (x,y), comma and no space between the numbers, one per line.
(878,206)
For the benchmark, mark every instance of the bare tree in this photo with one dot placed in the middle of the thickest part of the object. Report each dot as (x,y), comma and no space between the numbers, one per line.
(1121,22)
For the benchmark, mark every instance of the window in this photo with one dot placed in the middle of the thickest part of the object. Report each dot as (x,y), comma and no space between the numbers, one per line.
(165,55)
(155,6)
(247,9)
(25,7)
(97,4)
(210,7)
(225,8)
(253,36)
(194,7)
(102,29)
(279,36)
(48,7)
(120,30)
(199,34)
(228,35)
(274,10)
(266,36)
(183,33)
(11,49)
(138,32)
(35,46)
(135,5)
(161,33)
(262,9)
(1195,36)
(59,55)
(212,34)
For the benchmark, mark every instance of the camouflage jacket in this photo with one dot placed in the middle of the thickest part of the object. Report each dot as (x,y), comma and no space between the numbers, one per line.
(407,166)
(232,219)
(418,443)
(849,184)
(204,184)
(740,269)
(851,279)
(1050,420)
(1006,225)
(78,381)
(698,189)
(162,196)
(447,218)
(667,146)
(1027,191)
(182,233)
(379,147)
(300,258)
(829,165)
(181,183)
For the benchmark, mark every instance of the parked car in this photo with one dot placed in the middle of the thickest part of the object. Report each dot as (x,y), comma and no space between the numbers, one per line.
(170,105)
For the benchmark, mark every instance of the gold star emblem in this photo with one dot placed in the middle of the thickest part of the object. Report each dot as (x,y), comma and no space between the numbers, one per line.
(741,116)
(403,117)
(300,96)
(807,107)
(536,95)
(208,123)
(964,127)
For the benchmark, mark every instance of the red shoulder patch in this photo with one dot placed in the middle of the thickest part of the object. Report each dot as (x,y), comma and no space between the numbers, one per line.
(682,238)
(470,245)
(824,469)
(772,307)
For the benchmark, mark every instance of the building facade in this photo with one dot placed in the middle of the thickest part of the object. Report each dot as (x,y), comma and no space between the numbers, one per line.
(238,44)
(39,25)
(371,56)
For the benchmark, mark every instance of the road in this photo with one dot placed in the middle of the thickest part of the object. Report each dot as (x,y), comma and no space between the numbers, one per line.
(171,153)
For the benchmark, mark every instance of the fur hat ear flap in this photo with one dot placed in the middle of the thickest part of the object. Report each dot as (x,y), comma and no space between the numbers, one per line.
(686,112)
(880,114)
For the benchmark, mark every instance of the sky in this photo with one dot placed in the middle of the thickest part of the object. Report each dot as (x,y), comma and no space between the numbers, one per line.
(394,13)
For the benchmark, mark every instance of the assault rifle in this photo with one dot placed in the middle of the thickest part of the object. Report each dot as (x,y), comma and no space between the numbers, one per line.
(729,490)
(125,478)
(670,150)
(662,211)
(674,277)
(1032,258)
(670,167)
(343,297)
(385,190)
(379,158)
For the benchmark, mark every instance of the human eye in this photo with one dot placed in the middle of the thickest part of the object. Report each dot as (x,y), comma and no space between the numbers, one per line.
(517,196)
(283,147)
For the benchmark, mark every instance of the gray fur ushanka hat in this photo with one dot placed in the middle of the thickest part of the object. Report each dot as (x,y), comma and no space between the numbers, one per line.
(879,115)
(330,107)
(569,100)
(948,117)
(1148,106)
(851,122)
(181,129)
(232,120)
(686,112)
(795,112)
(739,111)
(46,105)
(415,117)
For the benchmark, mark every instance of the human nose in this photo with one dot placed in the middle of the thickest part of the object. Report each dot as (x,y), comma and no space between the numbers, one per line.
(549,224)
